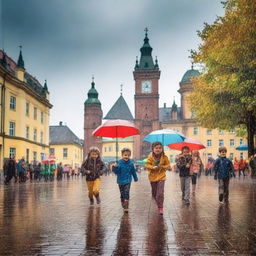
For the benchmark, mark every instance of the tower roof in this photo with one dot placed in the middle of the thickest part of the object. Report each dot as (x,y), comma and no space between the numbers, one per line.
(120,110)
(189,74)
(20,63)
(174,106)
(92,95)
(146,60)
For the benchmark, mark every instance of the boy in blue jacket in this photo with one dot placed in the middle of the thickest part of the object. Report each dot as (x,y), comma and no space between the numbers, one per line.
(224,170)
(125,170)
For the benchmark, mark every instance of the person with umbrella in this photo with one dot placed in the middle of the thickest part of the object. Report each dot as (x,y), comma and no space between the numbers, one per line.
(93,169)
(157,164)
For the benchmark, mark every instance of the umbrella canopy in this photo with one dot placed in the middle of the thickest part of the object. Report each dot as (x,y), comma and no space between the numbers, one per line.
(116,129)
(242,147)
(193,144)
(165,136)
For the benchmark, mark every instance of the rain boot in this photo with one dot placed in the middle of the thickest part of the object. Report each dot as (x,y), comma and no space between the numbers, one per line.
(126,206)
(91,200)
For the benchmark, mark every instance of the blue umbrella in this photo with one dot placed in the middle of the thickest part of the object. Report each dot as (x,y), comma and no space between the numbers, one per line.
(165,136)
(242,147)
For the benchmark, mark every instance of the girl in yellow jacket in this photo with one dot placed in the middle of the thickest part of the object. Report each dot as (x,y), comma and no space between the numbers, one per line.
(157,165)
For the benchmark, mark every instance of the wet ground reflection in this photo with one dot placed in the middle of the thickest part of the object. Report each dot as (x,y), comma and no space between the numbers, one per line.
(56,219)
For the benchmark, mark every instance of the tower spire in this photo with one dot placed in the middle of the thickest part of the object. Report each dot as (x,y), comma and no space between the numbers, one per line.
(121,86)
(20,63)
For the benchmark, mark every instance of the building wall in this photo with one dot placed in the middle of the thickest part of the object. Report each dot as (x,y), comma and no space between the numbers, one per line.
(19,141)
(74,154)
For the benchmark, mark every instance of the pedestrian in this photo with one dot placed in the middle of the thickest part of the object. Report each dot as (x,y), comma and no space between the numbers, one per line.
(30,172)
(224,170)
(125,170)
(157,164)
(195,169)
(11,170)
(252,164)
(93,169)
(236,166)
(184,161)
(21,166)
(242,165)
(59,171)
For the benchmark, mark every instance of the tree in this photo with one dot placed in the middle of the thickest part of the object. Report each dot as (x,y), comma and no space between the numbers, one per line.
(224,96)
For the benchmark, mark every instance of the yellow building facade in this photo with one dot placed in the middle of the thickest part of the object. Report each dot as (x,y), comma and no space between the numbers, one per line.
(65,146)
(25,111)
(109,147)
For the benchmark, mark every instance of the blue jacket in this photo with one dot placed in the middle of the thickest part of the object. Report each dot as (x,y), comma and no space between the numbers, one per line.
(223,168)
(124,171)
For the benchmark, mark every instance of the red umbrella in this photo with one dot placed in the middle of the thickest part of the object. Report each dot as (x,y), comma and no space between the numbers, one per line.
(116,129)
(193,144)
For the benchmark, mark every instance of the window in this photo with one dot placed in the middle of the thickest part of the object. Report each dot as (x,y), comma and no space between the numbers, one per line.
(42,117)
(35,135)
(209,143)
(241,154)
(232,142)
(110,148)
(209,132)
(27,109)
(171,158)
(42,156)
(27,132)
(232,131)
(231,156)
(41,137)
(241,141)
(105,149)
(65,152)
(34,155)
(27,155)
(195,131)
(221,132)
(221,143)
(12,129)
(12,152)
(209,155)
(12,103)
(35,113)
(52,151)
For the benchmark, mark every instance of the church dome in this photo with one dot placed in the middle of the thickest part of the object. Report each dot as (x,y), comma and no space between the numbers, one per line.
(189,74)
(92,96)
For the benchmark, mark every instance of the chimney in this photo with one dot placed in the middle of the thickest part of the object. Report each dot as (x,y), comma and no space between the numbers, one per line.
(164,105)
(61,123)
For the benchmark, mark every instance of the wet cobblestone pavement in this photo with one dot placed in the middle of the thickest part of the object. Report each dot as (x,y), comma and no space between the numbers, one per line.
(56,219)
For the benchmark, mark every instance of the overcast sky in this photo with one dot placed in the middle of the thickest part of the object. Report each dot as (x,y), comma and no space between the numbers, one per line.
(66,42)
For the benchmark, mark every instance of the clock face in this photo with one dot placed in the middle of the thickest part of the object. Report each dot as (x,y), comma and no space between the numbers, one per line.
(146,86)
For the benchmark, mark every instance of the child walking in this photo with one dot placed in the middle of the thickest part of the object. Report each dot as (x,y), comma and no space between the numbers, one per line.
(184,161)
(224,170)
(195,168)
(157,165)
(93,169)
(125,170)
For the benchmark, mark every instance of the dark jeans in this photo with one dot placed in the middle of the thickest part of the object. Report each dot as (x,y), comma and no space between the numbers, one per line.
(224,187)
(193,178)
(158,192)
(125,191)
(9,176)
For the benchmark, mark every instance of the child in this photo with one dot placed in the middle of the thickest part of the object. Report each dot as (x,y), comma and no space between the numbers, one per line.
(157,164)
(125,170)
(224,170)
(195,168)
(93,169)
(184,161)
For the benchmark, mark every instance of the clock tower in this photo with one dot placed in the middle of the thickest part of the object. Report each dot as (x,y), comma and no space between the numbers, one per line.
(146,75)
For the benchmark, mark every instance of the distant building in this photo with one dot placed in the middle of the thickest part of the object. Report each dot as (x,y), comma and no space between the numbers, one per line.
(149,116)
(66,146)
(24,112)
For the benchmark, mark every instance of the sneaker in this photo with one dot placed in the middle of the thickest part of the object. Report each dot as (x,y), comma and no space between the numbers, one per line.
(221,197)
(160,211)
(98,199)
(91,201)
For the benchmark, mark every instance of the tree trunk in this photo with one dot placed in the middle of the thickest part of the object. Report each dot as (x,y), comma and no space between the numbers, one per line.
(251,130)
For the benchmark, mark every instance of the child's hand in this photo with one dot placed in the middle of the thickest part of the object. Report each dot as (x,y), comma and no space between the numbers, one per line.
(87,171)
(136,180)
(155,167)
(188,165)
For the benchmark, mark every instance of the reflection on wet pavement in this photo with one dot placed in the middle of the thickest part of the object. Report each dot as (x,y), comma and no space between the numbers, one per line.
(56,219)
